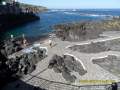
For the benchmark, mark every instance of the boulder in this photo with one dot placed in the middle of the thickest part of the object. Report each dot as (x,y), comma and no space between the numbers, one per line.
(66,65)
(10,46)
(68,77)
(56,69)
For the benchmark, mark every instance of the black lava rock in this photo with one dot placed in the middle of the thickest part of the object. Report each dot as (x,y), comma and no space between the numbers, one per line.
(66,65)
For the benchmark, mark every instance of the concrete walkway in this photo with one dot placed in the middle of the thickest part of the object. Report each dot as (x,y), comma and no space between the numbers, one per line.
(94,72)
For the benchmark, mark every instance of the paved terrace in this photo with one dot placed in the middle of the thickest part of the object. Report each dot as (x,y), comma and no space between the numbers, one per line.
(47,78)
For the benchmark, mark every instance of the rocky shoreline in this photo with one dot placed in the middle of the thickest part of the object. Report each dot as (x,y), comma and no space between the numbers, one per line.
(85,30)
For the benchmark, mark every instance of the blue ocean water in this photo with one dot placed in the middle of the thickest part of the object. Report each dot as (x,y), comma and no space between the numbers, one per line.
(56,16)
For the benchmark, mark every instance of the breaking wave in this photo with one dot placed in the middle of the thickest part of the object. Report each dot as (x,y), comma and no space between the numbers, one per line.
(90,15)
(98,15)
(71,13)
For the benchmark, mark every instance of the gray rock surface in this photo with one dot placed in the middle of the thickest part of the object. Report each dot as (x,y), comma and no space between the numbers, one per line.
(97,47)
(15,63)
(11,46)
(66,65)
(110,63)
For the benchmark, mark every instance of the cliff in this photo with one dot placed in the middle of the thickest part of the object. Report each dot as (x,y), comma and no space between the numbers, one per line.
(33,8)
(13,14)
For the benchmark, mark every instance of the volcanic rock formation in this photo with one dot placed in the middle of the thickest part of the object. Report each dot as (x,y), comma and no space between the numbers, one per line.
(66,65)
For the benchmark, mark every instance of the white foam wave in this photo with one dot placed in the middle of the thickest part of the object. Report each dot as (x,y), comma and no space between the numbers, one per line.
(74,10)
(97,15)
(71,13)
(56,10)
(83,14)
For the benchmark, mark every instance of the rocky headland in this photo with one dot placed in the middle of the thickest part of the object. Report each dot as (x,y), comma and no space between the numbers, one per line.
(13,14)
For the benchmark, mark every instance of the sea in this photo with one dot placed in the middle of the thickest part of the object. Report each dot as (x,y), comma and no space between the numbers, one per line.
(48,19)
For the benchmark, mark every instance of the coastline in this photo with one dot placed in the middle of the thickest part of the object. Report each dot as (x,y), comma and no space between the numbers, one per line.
(84,59)
(62,47)
(14,14)
(85,30)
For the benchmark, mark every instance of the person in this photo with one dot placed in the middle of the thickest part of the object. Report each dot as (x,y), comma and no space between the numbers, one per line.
(25,43)
(114,86)
(23,36)
(12,37)
(50,43)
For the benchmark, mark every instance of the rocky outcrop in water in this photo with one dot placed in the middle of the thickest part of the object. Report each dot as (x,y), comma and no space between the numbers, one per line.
(66,65)
(86,30)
